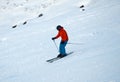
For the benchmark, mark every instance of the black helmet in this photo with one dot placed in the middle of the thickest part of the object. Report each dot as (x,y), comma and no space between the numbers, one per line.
(59,27)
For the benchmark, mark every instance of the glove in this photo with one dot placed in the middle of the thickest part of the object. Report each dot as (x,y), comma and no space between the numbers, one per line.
(62,42)
(53,38)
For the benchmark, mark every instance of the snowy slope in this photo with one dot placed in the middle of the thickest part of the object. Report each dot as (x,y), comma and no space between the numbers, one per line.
(94,34)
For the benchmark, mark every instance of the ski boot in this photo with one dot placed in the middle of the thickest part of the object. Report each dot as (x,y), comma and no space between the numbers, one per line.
(61,56)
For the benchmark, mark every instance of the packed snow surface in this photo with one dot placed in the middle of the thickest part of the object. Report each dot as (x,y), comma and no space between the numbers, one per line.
(94,37)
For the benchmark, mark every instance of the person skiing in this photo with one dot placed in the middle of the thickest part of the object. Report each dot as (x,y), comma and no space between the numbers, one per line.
(64,39)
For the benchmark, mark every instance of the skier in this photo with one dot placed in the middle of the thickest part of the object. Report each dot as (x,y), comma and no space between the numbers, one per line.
(64,39)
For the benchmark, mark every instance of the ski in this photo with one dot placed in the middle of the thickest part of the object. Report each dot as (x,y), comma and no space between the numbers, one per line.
(52,60)
(56,58)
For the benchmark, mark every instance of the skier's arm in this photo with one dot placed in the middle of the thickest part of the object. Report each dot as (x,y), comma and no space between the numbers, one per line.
(58,35)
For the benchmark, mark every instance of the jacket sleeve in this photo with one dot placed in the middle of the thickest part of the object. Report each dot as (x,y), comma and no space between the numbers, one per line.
(58,35)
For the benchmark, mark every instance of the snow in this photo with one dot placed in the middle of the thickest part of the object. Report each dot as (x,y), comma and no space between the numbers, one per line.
(94,34)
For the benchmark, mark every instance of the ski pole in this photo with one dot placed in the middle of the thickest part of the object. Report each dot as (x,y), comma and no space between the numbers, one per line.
(75,43)
(55,44)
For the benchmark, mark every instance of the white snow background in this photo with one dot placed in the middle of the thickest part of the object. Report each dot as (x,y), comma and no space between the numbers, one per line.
(94,34)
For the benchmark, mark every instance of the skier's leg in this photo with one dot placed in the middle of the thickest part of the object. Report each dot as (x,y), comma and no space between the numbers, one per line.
(62,48)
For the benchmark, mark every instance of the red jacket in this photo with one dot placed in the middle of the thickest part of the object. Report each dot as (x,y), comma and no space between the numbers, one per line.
(63,34)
